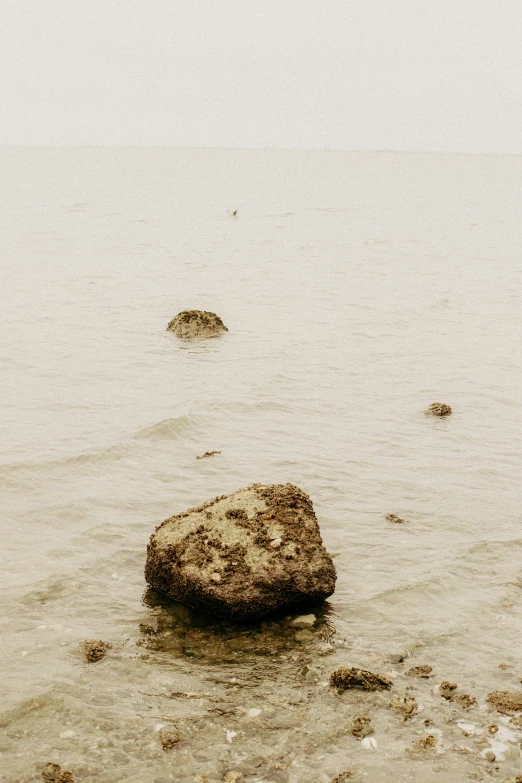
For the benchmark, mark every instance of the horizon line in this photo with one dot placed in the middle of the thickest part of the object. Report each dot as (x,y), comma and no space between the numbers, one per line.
(259,149)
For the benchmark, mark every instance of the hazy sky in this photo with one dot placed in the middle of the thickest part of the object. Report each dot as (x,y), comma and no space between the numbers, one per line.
(349,74)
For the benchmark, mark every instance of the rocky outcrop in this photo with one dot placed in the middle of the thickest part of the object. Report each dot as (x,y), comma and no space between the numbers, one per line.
(197,323)
(438,409)
(243,556)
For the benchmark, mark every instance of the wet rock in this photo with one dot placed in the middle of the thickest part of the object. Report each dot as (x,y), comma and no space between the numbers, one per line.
(398,657)
(465,701)
(438,409)
(169,738)
(220,557)
(407,707)
(208,454)
(489,755)
(95,649)
(429,742)
(420,671)
(345,679)
(395,519)
(505,701)
(447,689)
(343,777)
(361,727)
(53,773)
(232,777)
(197,323)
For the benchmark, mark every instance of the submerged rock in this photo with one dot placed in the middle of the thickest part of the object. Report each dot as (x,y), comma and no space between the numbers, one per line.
(95,649)
(243,556)
(344,679)
(447,689)
(395,519)
(438,409)
(407,707)
(423,672)
(208,454)
(53,773)
(196,323)
(361,727)
(505,701)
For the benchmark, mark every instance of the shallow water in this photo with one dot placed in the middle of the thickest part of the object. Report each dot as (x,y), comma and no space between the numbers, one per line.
(357,288)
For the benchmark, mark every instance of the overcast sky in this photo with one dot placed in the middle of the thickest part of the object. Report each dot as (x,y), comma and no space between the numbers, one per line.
(438,75)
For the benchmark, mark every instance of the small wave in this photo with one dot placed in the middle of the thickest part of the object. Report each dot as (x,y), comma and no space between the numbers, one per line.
(168,429)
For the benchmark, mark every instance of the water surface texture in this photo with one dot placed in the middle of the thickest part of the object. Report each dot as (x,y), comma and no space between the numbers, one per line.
(358,288)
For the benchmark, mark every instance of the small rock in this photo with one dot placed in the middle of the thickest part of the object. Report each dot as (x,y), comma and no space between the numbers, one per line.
(438,409)
(196,323)
(447,689)
(505,701)
(465,700)
(169,738)
(215,577)
(345,679)
(429,742)
(208,454)
(95,649)
(407,707)
(398,657)
(504,666)
(420,671)
(492,729)
(53,773)
(232,777)
(342,777)
(395,519)
(361,727)
(489,755)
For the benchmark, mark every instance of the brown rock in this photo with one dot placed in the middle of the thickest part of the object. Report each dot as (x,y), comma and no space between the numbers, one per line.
(395,519)
(420,671)
(208,454)
(505,701)
(447,689)
(197,323)
(243,556)
(465,700)
(407,707)
(438,409)
(95,649)
(169,738)
(53,773)
(345,679)
(342,777)
(361,727)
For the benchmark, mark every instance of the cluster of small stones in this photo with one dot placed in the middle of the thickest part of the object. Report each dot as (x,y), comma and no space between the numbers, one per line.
(53,773)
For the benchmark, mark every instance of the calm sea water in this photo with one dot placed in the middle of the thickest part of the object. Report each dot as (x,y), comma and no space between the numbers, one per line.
(358,288)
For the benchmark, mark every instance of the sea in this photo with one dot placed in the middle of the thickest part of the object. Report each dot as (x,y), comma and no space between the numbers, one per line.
(358,288)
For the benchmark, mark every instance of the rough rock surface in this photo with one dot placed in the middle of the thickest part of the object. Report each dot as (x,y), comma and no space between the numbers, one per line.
(196,323)
(345,679)
(505,701)
(438,409)
(243,556)
(95,649)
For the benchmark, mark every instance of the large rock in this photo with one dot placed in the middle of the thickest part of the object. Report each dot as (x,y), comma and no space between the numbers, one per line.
(244,555)
(197,323)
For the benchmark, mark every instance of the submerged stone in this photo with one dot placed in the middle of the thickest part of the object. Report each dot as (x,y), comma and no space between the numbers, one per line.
(344,679)
(95,649)
(438,409)
(505,701)
(243,556)
(196,323)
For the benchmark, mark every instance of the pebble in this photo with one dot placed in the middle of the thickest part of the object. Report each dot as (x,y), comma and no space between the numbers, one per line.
(489,755)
